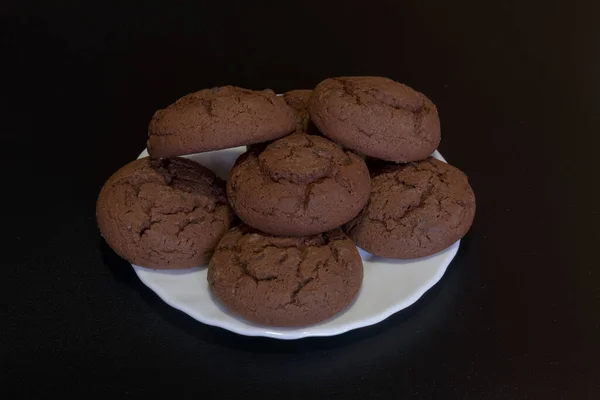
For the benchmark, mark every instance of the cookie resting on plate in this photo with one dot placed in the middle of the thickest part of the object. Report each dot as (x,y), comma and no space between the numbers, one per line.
(163,214)
(377,117)
(415,210)
(285,281)
(219,118)
(299,185)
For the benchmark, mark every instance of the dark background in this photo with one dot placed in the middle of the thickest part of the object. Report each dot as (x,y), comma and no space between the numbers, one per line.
(517,84)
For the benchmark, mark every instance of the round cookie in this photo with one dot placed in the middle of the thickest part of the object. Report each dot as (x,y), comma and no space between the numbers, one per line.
(298,101)
(285,281)
(415,210)
(163,214)
(299,185)
(218,118)
(376,116)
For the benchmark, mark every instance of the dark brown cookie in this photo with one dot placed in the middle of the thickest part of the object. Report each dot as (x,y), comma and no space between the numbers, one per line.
(163,214)
(415,210)
(298,101)
(377,117)
(298,185)
(285,281)
(218,118)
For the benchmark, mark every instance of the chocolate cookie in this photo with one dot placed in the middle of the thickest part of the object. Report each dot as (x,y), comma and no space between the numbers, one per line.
(285,281)
(163,214)
(298,185)
(415,210)
(218,118)
(298,101)
(377,117)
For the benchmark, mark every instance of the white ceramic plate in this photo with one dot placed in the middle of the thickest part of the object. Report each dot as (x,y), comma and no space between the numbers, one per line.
(388,285)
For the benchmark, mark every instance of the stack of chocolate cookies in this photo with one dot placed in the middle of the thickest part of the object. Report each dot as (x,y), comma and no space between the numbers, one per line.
(347,164)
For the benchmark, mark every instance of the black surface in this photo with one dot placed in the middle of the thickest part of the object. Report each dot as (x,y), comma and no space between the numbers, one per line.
(517,315)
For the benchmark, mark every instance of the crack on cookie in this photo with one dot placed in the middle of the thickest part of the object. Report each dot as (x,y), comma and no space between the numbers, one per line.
(193,221)
(304,244)
(198,119)
(357,93)
(335,252)
(301,285)
(309,188)
(361,130)
(324,156)
(421,222)
(419,116)
(208,106)
(302,282)
(331,169)
(429,192)
(349,90)
(246,271)
(404,183)
(313,284)
(271,212)
(170,177)
(146,227)
(325,163)
(331,114)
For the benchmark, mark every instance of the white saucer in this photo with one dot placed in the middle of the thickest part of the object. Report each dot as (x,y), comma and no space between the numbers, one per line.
(388,285)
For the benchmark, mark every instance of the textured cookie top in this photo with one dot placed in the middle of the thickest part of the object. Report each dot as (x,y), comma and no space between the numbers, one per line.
(377,117)
(298,185)
(218,118)
(285,281)
(415,210)
(167,213)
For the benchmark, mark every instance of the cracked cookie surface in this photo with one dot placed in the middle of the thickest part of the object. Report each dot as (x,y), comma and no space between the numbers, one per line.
(218,118)
(377,117)
(299,185)
(163,214)
(285,281)
(415,210)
